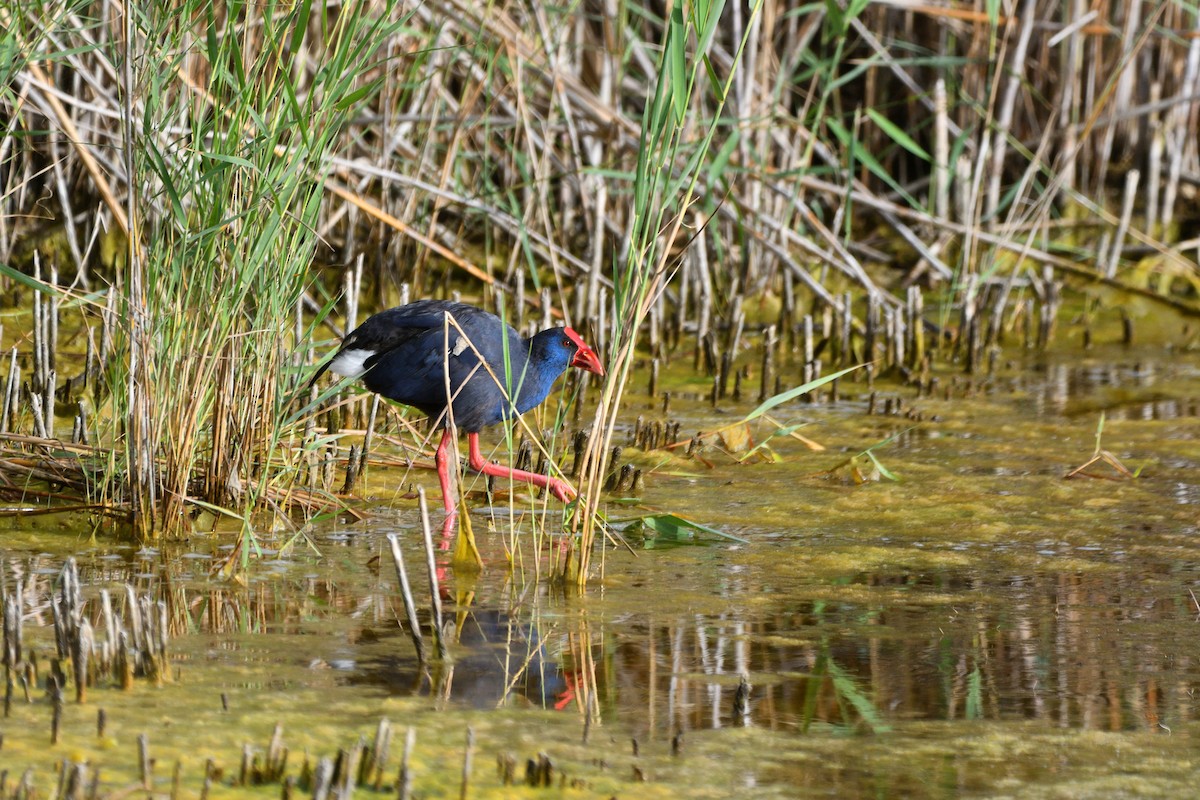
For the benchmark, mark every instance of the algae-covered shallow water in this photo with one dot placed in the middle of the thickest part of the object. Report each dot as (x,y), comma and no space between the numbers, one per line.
(979,627)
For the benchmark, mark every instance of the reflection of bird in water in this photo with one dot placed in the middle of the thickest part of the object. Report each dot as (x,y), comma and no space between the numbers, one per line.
(497,660)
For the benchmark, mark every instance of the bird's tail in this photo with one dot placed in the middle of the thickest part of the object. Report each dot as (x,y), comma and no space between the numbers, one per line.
(320,371)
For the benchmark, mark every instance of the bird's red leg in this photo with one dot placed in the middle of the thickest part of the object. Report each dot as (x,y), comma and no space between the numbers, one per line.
(559,488)
(442,459)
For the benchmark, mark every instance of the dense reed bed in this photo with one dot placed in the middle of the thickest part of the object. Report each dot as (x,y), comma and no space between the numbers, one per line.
(764,190)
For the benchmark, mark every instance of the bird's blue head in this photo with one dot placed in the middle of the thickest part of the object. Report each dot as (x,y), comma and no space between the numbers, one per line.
(555,349)
(550,353)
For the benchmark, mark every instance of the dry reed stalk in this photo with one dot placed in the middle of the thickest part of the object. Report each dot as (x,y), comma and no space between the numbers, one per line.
(1004,118)
(435,594)
(410,608)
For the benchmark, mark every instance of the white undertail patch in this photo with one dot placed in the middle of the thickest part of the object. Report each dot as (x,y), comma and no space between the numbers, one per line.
(350,363)
(460,344)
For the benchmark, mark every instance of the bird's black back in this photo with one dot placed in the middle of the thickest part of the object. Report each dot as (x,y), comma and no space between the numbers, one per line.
(407,362)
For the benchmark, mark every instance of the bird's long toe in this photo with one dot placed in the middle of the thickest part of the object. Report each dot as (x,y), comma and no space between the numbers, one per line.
(562,490)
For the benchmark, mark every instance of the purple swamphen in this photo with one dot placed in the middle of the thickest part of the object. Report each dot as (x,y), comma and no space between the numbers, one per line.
(406,354)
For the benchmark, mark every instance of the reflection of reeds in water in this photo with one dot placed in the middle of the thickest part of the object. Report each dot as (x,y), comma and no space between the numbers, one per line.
(133,644)
(1044,648)
(1063,648)
(375,763)
(1091,650)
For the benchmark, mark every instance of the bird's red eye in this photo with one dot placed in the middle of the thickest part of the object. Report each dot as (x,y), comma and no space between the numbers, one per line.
(566,342)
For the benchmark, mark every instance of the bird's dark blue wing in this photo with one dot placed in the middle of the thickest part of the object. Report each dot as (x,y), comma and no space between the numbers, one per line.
(404,354)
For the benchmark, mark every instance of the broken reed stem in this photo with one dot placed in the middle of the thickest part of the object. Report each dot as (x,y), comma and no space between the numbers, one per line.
(375,761)
(404,779)
(410,607)
(369,435)
(431,564)
(11,389)
(468,757)
(145,765)
(1118,245)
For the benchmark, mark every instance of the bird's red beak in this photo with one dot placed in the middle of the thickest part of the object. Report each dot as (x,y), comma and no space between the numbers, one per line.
(585,357)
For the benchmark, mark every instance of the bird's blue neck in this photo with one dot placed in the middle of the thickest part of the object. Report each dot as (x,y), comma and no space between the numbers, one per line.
(534,369)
